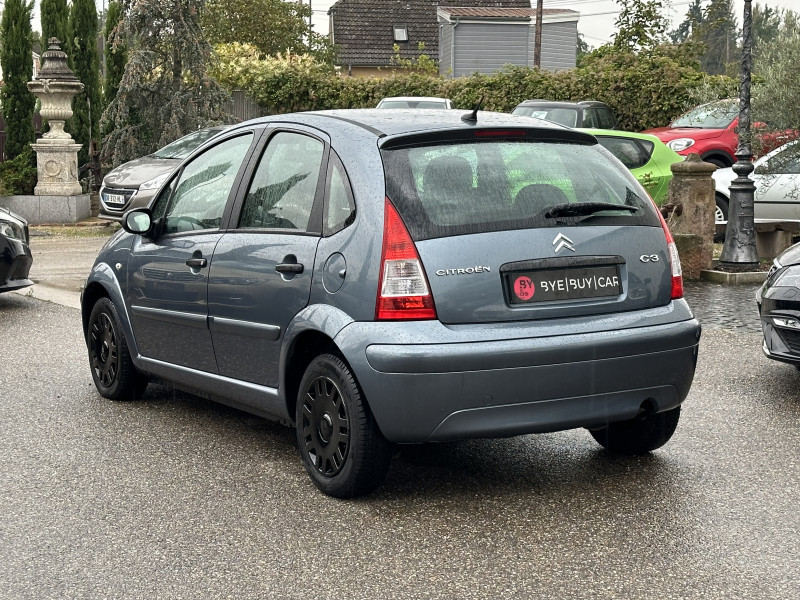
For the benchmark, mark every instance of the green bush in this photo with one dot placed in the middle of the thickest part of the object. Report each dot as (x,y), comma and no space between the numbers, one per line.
(645,90)
(18,175)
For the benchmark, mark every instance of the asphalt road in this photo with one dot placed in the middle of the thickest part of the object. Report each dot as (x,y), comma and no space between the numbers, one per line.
(176,497)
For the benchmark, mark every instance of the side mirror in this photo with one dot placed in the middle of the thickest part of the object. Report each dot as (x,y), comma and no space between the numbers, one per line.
(137,221)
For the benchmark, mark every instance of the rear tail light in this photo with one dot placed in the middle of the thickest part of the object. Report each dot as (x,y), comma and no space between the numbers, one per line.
(403,291)
(674,259)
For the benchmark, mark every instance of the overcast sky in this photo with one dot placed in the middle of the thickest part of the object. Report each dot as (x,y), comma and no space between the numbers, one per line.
(596,23)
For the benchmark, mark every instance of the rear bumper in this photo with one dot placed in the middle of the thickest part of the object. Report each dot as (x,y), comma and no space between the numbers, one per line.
(526,384)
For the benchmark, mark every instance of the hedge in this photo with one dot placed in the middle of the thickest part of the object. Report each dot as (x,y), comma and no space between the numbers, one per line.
(644,90)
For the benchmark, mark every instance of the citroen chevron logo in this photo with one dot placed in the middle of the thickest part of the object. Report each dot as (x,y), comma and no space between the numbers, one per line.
(563,241)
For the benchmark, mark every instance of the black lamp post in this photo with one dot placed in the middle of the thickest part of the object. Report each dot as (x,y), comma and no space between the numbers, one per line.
(739,249)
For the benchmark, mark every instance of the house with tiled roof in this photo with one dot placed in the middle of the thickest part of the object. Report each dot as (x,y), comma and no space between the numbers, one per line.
(485,39)
(366,31)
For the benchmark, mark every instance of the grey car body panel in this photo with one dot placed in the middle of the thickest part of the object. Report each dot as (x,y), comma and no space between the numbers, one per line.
(525,383)
(478,296)
(421,385)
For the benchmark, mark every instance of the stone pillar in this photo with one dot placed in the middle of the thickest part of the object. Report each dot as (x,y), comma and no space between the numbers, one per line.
(56,151)
(690,214)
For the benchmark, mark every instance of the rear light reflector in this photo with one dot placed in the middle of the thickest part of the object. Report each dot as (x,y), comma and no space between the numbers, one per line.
(674,259)
(403,291)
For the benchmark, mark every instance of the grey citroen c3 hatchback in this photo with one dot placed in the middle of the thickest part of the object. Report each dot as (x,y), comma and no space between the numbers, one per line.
(375,277)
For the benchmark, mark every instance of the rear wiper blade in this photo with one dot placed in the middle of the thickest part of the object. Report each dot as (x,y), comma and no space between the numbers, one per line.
(579,209)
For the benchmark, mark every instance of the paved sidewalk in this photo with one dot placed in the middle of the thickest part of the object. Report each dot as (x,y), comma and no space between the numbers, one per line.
(60,267)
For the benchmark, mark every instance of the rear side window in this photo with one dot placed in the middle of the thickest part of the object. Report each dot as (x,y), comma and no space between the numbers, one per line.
(282,193)
(607,120)
(627,150)
(471,187)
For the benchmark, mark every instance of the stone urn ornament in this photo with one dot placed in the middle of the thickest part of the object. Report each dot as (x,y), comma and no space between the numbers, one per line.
(56,151)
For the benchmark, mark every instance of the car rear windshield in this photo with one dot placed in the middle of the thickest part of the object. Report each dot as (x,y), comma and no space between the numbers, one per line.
(492,185)
(564,116)
(717,115)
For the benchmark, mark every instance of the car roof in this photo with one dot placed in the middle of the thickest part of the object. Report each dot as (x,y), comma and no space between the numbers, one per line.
(401,122)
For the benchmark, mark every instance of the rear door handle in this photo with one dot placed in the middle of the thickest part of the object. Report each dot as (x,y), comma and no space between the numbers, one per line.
(289,268)
(197,263)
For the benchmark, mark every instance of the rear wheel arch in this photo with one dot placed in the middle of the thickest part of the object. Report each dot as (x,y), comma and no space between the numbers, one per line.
(304,348)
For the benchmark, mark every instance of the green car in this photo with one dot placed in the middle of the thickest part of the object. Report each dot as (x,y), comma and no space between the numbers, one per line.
(647,157)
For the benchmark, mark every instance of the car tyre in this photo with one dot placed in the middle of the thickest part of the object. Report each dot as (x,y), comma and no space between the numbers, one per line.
(109,358)
(340,443)
(720,214)
(640,435)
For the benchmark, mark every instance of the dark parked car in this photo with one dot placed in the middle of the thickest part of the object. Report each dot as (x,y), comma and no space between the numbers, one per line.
(589,114)
(374,277)
(15,253)
(133,184)
(779,306)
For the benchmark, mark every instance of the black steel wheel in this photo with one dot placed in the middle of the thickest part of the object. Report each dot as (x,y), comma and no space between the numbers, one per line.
(113,372)
(640,435)
(342,448)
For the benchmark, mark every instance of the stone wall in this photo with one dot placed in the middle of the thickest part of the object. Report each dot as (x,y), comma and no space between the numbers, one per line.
(38,210)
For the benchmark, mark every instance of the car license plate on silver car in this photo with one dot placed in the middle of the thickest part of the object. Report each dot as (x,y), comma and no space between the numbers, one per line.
(525,287)
(114,198)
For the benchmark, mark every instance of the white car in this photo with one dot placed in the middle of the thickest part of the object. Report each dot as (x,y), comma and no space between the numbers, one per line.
(777,180)
(415,102)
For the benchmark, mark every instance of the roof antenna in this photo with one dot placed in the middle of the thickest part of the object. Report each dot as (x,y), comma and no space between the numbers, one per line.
(473,116)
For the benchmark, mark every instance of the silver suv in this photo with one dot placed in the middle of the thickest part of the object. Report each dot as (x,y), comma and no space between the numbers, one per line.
(377,277)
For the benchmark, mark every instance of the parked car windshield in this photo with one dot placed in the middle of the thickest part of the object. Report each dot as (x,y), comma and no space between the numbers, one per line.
(413,104)
(564,116)
(472,187)
(183,147)
(716,115)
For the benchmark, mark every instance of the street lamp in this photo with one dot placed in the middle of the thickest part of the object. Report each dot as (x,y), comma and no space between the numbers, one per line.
(739,250)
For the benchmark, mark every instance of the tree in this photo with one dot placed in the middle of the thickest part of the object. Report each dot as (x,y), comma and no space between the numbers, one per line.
(718,33)
(581,50)
(16,60)
(242,21)
(116,56)
(55,22)
(775,97)
(640,25)
(694,18)
(166,90)
(86,107)
(766,26)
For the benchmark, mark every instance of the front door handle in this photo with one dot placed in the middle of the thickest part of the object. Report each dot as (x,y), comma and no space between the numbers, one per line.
(197,263)
(289,268)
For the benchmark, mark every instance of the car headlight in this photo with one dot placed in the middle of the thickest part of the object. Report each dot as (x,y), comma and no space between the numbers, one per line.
(12,231)
(154,183)
(788,277)
(680,144)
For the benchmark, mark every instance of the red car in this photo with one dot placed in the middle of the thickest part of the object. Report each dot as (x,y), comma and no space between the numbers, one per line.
(708,130)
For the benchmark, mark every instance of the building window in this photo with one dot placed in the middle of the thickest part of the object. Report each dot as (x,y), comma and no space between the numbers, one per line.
(400,33)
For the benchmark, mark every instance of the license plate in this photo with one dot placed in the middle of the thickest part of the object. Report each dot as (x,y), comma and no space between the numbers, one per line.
(114,198)
(525,287)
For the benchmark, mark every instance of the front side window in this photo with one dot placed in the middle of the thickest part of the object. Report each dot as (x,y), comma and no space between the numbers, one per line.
(198,196)
(282,193)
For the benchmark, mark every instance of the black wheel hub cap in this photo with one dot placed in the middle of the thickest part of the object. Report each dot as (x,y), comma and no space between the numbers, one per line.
(325,426)
(103,349)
